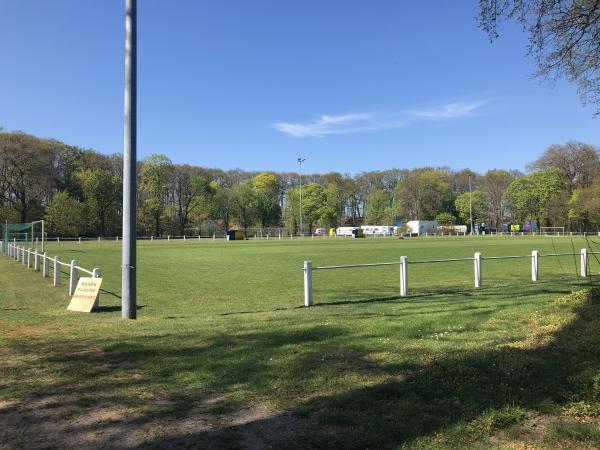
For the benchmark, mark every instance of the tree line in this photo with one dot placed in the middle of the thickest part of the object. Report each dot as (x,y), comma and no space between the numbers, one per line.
(79,191)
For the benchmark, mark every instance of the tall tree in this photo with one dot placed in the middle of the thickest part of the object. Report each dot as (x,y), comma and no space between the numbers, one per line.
(331,210)
(102,192)
(584,207)
(27,169)
(475,201)
(539,196)
(188,191)
(244,200)
(268,209)
(494,184)
(563,37)
(155,176)
(423,194)
(313,199)
(577,162)
(378,205)
(65,216)
(221,204)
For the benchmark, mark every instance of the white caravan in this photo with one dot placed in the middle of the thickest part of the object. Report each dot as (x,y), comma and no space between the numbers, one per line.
(345,231)
(422,226)
(377,230)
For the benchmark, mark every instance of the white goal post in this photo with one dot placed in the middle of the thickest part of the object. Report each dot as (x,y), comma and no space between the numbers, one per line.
(25,233)
(552,230)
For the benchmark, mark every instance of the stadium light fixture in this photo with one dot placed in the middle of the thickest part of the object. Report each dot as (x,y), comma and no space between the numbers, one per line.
(471,205)
(300,161)
(128,269)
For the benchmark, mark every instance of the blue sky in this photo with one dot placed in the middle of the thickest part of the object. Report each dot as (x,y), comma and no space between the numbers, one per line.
(348,84)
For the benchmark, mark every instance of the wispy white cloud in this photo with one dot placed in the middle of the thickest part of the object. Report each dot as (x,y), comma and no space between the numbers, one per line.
(448,111)
(325,125)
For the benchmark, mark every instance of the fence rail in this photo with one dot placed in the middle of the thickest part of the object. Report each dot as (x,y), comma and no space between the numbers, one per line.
(477,263)
(42,262)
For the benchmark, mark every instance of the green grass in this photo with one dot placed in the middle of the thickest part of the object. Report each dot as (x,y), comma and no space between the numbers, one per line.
(221,332)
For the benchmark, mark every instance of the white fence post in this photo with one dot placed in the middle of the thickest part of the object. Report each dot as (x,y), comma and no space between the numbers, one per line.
(584,262)
(56,271)
(535,268)
(73,277)
(403,276)
(80,240)
(45,268)
(36,261)
(29,258)
(308,297)
(477,260)
(23,257)
(96,273)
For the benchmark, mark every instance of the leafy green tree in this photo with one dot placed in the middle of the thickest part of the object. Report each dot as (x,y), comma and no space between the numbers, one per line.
(577,162)
(584,207)
(494,184)
(291,210)
(65,216)
(27,169)
(424,193)
(102,192)
(331,210)
(479,204)
(445,219)
(378,207)
(244,201)
(538,196)
(267,188)
(313,200)
(189,190)
(221,205)
(155,178)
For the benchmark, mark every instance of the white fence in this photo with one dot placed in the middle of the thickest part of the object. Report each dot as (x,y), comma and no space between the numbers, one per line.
(41,262)
(477,265)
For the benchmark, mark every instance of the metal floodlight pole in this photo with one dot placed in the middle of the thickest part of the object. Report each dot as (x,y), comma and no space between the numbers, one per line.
(128,273)
(470,204)
(300,161)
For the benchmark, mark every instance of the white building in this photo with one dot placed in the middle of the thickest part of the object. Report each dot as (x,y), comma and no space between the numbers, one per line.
(422,226)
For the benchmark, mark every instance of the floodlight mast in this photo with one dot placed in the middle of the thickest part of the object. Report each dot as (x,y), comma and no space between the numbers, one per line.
(128,268)
(471,205)
(300,161)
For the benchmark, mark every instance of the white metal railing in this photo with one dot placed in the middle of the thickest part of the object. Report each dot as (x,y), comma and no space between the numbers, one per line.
(477,260)
(42,262)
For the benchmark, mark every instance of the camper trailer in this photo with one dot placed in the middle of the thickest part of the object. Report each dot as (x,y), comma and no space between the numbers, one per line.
(345,231)
(377,230)
(422,226)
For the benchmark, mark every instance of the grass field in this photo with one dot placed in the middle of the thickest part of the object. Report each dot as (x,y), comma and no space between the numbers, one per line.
(224,355)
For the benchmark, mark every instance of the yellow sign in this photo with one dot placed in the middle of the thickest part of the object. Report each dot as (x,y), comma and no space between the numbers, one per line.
(85,298)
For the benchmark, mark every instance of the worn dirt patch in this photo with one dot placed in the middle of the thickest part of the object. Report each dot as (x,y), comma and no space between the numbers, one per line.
(61,422)
(32,330)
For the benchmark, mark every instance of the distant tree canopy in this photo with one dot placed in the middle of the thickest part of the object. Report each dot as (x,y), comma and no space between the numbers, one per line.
(563,37)
(79,193)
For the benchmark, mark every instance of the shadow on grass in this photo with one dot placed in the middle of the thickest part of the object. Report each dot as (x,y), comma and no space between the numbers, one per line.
(114,308)
(426,295)
(464,394)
